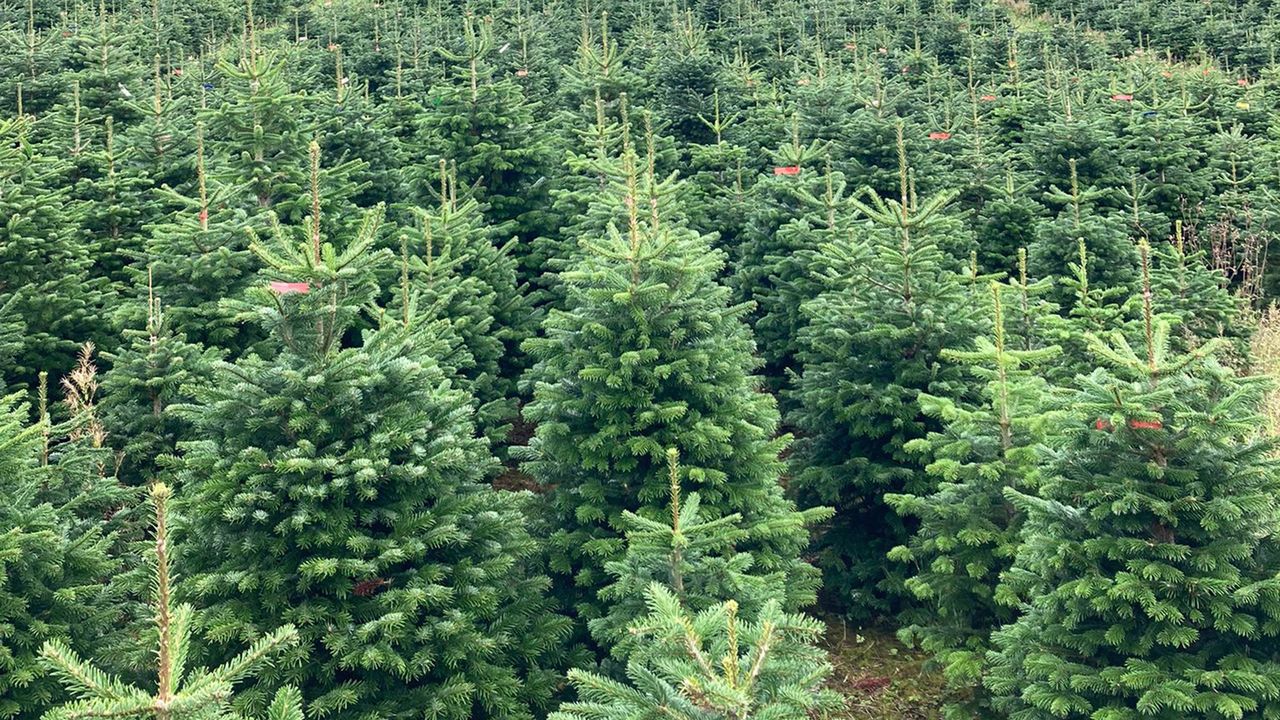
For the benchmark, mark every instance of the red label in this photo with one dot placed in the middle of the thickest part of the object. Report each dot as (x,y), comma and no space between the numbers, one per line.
(987,98)
(1101,424)
(1146,424)
(939,136)
(1121,97)
(288,288)
(787,170)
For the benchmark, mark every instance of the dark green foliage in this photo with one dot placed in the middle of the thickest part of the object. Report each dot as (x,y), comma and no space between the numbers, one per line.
(891,302)
(458,275)
(340,487)
(54,563)
(156,369)
(968,531)
(1147,572)
(647,355)
(45,268)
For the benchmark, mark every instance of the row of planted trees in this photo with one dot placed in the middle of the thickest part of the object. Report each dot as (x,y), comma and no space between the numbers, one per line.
(328,338)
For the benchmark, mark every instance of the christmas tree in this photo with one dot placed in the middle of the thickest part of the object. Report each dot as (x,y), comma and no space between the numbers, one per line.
(44,266)
(54,562)
(710,666)
(696,558)
(182,693)
(155,370)
(648,355)
(968,531)
(891,302)
(1146,576)
(339,485)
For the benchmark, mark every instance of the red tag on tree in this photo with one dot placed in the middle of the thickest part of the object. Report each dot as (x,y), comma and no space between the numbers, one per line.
(522,72)
(1146,424)
(987,98)
(1101,424)
(204,216)
(939,136)
(1122,97)
(289,288)
(787,170)
(177,72)
(1243,82)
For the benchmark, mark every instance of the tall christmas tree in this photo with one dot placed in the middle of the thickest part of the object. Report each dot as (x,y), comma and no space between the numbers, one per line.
(892,301)
(647,355)
(339,486)
(968,531)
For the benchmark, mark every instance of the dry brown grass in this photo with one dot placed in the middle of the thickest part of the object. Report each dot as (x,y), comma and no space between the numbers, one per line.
(1264,359)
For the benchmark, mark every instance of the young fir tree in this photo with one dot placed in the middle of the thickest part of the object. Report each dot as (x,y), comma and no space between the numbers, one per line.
(793,217)
(487,127)
(968,531)
(339,485)
(1147,578)
(459,275)
(694,556)
(45,269)
(181,692)
(155,369)
(109,200)
(1113,257)
(891,302)
(197,258)
(712,665)
(647,355)
(53,562)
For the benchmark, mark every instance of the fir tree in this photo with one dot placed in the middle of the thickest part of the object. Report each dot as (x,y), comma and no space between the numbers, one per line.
(712,666)
(1146,573)
(155,370)
(968,532)
(54,563)
(486,126)
(458,274)
(649,355)
(197,258)
(1113,256)
(44,266)
(696,558)
(339,485)
(181,693)
(890,304)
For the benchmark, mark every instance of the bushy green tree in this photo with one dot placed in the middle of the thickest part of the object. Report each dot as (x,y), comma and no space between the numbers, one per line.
(697,558)
(45,267)
(647,355)
(1147,573)
(339,485)
(54,563)
(155,370)
(890,303)
(968,531)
